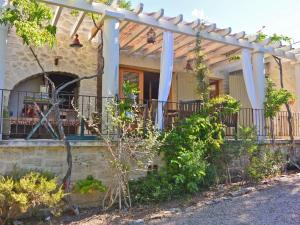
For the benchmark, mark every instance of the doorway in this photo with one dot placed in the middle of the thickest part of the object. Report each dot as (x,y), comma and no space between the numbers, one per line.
(151,86)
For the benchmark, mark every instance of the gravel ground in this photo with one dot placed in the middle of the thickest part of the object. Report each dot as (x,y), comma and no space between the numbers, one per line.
(274,202)
(278,205)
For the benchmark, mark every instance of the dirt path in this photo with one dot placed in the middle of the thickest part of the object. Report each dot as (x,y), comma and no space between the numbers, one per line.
(278,205)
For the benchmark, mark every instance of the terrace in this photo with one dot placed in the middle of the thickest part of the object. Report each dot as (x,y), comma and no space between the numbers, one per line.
(22,116)
(162,70)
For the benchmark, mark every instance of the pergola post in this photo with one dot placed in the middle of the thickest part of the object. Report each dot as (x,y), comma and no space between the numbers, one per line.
(111,53)
(297,79)
(258,62)
(3,46)
(166,72)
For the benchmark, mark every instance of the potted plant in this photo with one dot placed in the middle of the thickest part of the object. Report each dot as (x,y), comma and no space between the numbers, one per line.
(6,124)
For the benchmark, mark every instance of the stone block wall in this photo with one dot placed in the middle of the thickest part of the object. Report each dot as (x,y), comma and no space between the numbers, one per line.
(89,158)
(20,63)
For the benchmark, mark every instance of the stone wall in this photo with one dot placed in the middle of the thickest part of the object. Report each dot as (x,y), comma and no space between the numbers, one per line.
(20,63)
(89,158)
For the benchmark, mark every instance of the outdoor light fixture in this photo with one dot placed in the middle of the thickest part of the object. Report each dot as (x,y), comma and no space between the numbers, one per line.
(151,36)
(76,43)
(56,60)
(188,65)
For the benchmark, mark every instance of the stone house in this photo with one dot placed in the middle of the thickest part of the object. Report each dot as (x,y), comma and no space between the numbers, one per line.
(162,67)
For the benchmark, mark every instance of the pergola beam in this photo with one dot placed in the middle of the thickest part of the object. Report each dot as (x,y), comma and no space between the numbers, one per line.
(143,44)
(158,46)
(78,21)
(149,20)
(135,34)
(57,15)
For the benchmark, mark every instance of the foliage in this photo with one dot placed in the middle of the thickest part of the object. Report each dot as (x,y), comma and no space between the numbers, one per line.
(274,38)
(222,105)
(88,185)
(156,187)
(30,192)
(32,21)
(190,152)
(125,105)
(201,71)
(17,173)
(132,140)
(264,165)
(234,58)
(275,99)
(260,161)
(187,149)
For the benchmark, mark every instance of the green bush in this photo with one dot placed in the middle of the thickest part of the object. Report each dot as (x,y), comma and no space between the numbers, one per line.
(89,185)
(31,192)
(262,162)
(264,165)
(189,152)
(156,187)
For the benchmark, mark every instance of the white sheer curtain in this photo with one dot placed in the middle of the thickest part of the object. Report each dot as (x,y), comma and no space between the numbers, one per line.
(248,77)
(166,72)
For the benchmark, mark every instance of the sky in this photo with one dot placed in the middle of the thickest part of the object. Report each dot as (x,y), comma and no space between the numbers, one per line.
(278,16)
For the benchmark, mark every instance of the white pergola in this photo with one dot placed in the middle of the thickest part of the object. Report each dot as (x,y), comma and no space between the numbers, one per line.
(126,31)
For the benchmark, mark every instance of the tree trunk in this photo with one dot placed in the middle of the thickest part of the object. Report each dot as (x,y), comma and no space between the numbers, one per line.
(290,118)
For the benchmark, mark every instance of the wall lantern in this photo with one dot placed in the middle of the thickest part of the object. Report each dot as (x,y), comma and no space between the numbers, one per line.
(151,36)
(56,60)
(76,43)
(188,65)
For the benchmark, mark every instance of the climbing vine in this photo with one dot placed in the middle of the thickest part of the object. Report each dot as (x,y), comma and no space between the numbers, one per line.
(201,71)
(275,99)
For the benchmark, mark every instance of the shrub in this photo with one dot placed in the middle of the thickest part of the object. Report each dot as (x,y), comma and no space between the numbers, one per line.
(17,173)
(156,187)
(89,185)
(189,152)
(264,164)
(262,161)
(30,192)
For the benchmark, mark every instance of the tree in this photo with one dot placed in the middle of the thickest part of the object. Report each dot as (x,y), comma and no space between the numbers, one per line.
(286,39)
(132,140)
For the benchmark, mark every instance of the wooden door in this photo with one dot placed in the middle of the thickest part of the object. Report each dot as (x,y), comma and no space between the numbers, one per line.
(134,76)
(214,88)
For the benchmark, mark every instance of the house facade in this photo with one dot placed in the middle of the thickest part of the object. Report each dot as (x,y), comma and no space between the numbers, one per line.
(163,70)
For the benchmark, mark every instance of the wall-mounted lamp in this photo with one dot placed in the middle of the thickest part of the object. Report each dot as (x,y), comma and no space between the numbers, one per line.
(76,42)
(56,60)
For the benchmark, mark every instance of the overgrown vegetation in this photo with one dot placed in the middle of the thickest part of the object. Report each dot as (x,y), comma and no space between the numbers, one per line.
(189,152)
(89,185)
(201,71)
(275,99)
(132,141)
(31,192)
(260,160)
